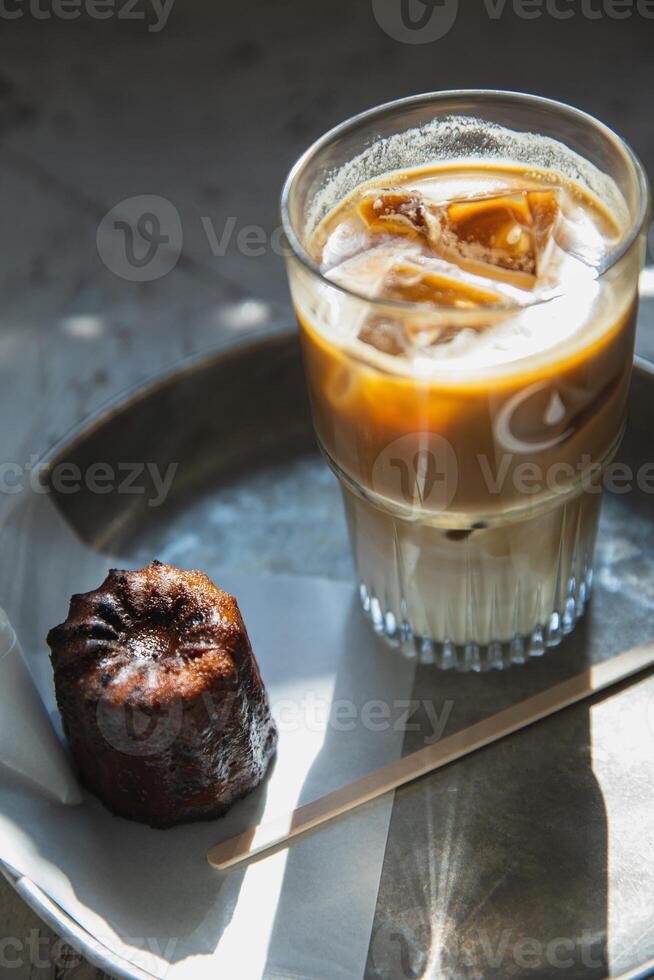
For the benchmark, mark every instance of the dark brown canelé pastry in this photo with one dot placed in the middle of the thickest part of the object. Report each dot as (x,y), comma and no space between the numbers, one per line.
(161,696)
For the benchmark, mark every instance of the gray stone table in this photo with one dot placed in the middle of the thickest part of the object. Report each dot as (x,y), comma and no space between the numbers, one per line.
(208,113)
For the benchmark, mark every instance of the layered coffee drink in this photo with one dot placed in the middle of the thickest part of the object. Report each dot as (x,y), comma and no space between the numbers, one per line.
(468,349)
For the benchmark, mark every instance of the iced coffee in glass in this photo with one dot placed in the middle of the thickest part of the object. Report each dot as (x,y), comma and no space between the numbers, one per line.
(464,267)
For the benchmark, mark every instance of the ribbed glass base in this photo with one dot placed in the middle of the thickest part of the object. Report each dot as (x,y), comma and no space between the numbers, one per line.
(477,598)
(496,655)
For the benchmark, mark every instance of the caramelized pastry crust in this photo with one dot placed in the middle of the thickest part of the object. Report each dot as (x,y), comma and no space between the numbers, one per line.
(161,696)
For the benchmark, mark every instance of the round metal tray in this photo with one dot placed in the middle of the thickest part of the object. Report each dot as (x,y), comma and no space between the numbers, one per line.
(251,487)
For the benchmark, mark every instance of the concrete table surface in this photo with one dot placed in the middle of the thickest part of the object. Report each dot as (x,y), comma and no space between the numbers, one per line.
(209,113)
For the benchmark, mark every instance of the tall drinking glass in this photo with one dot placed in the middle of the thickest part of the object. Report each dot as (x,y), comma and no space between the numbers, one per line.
(472,488)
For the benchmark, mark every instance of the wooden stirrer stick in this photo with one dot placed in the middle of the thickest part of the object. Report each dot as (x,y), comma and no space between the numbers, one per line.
(380,781)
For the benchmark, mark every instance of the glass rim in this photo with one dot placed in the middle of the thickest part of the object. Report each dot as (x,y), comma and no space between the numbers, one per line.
(370,115)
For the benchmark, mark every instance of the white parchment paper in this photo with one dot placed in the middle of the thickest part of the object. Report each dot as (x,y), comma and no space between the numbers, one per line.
(150,896)
(29,746)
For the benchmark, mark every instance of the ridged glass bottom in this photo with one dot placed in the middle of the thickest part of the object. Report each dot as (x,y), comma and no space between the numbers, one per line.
(496,655)
(478,598)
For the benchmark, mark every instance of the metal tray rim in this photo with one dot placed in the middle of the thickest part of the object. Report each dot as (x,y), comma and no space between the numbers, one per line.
(41,904)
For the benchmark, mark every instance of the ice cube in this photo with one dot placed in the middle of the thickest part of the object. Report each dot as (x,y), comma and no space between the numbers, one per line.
(416,282)
(347,240)
(386,335)
(366,272)
(503,236)
(398,212)
(585,235)
(403,338)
